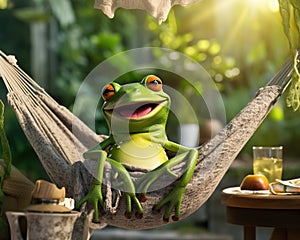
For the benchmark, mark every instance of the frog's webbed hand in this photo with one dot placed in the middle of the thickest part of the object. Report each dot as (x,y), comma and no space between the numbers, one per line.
(128,188)
(174,198)
(94,195)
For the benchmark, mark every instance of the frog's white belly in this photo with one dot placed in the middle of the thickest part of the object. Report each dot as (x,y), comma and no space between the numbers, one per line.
(145,155)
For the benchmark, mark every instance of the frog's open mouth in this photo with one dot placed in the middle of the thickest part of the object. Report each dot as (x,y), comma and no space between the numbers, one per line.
(135,111)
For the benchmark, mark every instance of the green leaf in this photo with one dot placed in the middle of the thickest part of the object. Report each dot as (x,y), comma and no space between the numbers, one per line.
(284,8)
(295,3)
(1,115)
(291,26)
(4,142)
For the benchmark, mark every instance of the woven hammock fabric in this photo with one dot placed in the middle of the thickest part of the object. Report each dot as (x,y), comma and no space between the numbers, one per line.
(156,8)
(48,126)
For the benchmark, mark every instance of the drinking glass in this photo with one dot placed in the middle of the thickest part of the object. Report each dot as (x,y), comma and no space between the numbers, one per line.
(268,161)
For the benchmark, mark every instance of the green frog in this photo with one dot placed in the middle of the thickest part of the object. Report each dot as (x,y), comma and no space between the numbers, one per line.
(137,114)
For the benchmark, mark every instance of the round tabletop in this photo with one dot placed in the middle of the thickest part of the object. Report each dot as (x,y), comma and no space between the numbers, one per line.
(235,197)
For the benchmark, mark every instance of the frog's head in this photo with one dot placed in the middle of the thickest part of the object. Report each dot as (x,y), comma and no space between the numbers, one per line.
(140,105)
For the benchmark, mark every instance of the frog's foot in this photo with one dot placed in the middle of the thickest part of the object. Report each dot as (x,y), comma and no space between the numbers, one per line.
(142,197)
(173,199)
(93,197)
(129,198)
(142,187)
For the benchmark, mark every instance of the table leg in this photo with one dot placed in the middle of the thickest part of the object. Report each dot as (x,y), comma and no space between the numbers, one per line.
(249,233)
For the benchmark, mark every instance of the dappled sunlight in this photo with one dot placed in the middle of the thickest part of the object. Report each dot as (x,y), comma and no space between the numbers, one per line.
(235,31)
(262,5)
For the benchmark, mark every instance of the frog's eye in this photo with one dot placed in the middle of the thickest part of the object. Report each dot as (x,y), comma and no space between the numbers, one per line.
(108,91)
(153,83)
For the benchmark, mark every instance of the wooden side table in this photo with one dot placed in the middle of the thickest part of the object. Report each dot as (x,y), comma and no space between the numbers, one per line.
(251,209)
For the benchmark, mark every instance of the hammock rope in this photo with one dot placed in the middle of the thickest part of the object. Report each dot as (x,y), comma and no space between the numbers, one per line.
(48,126)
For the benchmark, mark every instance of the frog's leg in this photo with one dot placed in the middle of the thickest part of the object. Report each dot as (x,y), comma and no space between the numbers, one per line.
(174,198)
(94,195)
(128,188)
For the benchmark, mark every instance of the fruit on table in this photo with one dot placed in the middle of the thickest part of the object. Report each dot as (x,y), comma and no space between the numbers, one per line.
(255,182)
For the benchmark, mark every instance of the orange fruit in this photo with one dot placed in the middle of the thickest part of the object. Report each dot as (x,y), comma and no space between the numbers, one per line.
(255,182)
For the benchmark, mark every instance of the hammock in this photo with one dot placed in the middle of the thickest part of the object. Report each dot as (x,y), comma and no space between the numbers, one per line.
(50,129)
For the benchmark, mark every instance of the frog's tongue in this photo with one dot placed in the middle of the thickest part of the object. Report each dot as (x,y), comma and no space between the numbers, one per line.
(129,112)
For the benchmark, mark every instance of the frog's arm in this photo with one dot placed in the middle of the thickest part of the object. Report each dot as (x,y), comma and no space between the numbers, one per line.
(174,198)
(94,152)
(185,153)
(94,195)
(128,188)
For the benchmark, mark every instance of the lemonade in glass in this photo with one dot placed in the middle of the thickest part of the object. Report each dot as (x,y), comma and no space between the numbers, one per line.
(268,161)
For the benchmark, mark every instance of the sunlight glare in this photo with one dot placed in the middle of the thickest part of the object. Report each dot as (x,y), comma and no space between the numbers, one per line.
(274,5)
(257,3)
(261,4)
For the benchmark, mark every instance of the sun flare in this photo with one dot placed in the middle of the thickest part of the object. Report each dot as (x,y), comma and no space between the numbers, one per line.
(263,5)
